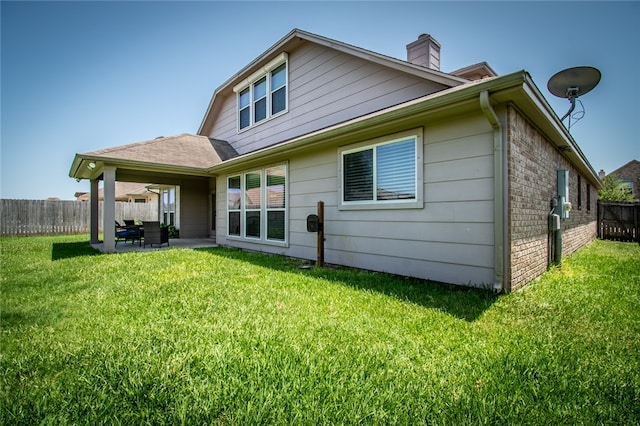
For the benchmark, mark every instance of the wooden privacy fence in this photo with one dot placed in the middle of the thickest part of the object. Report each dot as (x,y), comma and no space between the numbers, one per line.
(44,217)
(618,221)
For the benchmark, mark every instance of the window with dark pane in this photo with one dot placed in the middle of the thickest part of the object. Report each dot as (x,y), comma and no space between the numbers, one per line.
(276,187)
(234,204)
(358,175)
(253,201)
(253,224)
(234,223)
(276,225)
(579,192)
(244,106)
(260,100)
(279,89)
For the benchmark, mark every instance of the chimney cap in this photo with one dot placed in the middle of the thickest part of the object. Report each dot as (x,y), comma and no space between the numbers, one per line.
(424,38)
(425,52)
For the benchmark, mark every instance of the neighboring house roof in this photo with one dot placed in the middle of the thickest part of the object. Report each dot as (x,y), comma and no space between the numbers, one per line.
(476,71)
(185,152)
(633,164)
(630,174)
(295,37)
(124,190)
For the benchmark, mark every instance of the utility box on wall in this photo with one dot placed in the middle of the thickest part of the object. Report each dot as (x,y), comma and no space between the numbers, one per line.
(564,206)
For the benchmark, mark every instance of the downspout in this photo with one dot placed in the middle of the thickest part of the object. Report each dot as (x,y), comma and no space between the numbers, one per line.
(499,191)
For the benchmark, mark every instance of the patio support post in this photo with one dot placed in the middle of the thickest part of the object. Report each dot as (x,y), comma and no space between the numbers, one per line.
(93,200)
(109,209)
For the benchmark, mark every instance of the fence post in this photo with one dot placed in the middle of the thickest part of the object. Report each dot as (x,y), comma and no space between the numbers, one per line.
(599,215)
(637,218)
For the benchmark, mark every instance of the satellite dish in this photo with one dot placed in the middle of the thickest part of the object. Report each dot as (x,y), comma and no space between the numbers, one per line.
(573,82)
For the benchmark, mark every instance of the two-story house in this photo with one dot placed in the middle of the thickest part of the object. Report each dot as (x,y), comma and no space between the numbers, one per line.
(442,176)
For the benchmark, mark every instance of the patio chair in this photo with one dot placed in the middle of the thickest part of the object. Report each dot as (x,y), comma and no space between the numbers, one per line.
(128,233)
(154,234)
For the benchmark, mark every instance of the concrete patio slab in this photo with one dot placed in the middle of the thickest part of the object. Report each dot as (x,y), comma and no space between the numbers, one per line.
(184,243)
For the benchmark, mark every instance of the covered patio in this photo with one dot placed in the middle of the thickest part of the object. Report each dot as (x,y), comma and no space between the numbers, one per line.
(181,161)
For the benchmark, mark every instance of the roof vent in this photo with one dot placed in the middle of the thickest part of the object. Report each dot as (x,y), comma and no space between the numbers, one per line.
(425,51)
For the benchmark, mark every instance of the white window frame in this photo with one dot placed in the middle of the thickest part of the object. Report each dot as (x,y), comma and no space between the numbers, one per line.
(374,204)
(249,82)
(264,207)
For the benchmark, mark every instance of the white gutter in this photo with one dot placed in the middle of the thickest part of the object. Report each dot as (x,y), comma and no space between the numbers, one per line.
(499,190)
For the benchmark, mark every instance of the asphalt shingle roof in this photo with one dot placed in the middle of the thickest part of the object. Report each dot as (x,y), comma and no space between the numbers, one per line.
(183,150)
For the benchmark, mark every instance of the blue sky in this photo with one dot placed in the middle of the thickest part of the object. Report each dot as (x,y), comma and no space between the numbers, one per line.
(81,76)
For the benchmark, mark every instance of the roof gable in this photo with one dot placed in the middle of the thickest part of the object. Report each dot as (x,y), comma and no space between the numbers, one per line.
(297,36)
(124,190)
(631,164)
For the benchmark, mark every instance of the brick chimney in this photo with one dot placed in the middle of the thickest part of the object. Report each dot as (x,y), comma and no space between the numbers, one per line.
(425,51)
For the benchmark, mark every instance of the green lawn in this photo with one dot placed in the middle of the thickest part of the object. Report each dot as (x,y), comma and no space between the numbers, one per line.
(220,336)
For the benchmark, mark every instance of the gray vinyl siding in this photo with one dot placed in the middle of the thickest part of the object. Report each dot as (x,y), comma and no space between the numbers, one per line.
(450,239)
(325,87)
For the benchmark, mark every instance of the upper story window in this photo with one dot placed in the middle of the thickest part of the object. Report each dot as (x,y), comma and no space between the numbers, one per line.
(383,173)
(263,95)
(279,89)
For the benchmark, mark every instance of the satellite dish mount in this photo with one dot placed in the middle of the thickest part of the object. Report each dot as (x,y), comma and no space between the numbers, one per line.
(573,82)
(572,94)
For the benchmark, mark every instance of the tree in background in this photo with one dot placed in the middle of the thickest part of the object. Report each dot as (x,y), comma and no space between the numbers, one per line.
(614,189)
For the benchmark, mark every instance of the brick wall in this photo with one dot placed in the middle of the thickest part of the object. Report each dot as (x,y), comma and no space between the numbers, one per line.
(532,169)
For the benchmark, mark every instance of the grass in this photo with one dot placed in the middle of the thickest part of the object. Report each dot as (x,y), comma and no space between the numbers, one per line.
(220,336)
